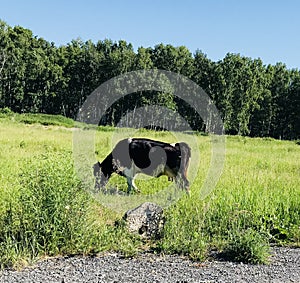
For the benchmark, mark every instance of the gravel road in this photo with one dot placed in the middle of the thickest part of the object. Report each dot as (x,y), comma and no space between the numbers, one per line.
(284,268)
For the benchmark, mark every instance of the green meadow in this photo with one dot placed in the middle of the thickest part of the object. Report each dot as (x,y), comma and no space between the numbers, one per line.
(46,210)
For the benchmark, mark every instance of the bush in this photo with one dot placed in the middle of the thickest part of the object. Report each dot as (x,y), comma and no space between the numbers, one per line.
(5,112)
(51,214)
(247,246)
(183,231)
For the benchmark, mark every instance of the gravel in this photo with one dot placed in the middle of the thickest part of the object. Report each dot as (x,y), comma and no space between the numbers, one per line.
(284,267)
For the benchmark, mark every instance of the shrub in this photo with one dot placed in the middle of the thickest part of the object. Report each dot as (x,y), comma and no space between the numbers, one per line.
(183,232)
(248,246)
(5,110)
(51,214)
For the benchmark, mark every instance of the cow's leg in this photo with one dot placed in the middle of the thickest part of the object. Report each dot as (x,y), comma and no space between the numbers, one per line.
(182,182)
(131,185)
(130,174)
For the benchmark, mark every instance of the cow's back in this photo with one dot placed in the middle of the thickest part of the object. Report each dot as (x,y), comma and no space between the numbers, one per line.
(145,153)
(148,155)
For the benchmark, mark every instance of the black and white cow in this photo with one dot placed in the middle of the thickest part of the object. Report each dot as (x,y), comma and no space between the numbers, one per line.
(138,155)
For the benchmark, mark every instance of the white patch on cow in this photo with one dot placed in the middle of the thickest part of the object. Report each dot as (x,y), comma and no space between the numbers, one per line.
(129,140)
(128,172)
(173,144)
(130,175)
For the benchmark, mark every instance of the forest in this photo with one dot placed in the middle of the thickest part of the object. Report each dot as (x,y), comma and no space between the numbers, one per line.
(254,99)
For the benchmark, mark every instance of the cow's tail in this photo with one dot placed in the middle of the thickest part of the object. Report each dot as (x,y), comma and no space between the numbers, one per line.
(185,152)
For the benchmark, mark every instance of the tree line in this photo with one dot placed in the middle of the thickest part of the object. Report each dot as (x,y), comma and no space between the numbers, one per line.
(253,98)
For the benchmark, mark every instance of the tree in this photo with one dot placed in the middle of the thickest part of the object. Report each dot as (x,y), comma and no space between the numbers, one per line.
(3,59)
(175,59)
(254,99)
(143,59)
(263,115)
(242,86)
(279,87)
(294,106)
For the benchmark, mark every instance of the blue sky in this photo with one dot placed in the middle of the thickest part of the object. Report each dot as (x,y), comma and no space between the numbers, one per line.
(264,29)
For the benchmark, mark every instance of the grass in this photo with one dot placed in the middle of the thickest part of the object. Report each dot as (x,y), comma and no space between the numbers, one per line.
(45,209)
(247,246)
(43,119)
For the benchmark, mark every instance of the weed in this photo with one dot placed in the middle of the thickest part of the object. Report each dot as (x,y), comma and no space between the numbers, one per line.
(52,214)
(248,246)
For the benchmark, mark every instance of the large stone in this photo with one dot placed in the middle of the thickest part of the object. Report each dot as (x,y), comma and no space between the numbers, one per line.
(146,220)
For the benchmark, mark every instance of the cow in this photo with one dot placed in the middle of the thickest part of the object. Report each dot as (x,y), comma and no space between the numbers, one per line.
(139,155)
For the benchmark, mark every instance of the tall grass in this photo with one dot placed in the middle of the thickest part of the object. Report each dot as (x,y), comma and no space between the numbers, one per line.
(45,209)
(255,203)
(43,119)
(50,213)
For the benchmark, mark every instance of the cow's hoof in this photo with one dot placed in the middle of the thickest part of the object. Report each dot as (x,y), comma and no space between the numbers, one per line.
(133,192)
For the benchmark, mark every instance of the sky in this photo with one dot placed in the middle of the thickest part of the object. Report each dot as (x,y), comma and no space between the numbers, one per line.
(264,29)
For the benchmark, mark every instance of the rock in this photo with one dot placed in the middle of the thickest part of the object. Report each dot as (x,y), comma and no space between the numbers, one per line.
(146,220)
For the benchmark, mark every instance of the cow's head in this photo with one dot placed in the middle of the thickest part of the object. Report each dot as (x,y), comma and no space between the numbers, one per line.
(100,178)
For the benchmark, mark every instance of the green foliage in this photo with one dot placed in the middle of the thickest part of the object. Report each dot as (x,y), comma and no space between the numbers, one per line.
(45,210)
(38,77)
(248,246)
(45,119)
(183,231)
(52,214)
(5,111)
(256,202)
(39,223)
